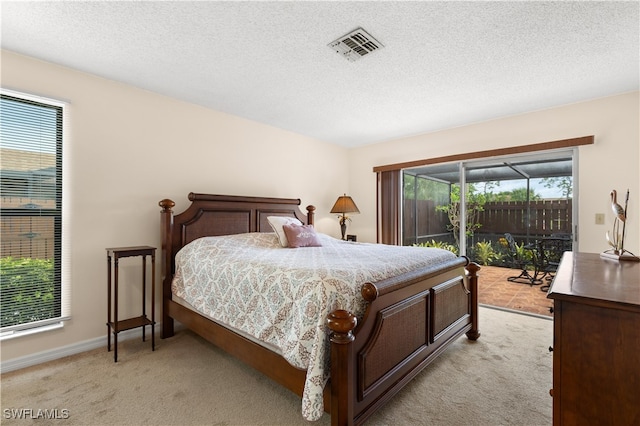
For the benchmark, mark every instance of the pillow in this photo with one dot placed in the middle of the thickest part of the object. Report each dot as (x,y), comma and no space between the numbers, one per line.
(277,222)
(301,235)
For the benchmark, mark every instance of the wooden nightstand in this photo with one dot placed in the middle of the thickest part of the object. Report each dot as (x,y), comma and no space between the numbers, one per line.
(116,326)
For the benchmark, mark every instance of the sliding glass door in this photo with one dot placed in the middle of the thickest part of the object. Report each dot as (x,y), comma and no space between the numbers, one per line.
(458,205)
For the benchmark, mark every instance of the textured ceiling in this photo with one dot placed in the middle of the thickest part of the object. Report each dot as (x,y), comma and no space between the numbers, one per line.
(444,64)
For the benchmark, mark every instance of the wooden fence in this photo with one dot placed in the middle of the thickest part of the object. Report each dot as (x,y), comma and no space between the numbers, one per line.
(535,219)
(424,222)
(30,236)
(539,218)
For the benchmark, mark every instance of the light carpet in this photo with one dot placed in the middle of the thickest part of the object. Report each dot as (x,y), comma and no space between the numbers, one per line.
(501,379)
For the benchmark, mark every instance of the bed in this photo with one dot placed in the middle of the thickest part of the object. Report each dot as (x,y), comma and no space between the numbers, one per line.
(368,345)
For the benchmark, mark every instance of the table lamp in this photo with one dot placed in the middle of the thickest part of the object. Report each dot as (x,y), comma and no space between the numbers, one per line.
(344,204)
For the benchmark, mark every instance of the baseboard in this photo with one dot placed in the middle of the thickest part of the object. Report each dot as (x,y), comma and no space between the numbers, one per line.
(515,311)
(61,352)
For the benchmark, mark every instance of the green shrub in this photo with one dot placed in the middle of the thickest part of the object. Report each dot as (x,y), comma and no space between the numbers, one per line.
(26,290)
(439,244)
(484,253)
(524,254)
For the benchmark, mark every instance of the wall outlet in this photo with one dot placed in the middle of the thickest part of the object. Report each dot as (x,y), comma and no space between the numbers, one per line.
(599,218)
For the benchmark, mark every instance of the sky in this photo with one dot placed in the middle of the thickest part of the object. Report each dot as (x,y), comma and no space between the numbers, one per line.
(541,190)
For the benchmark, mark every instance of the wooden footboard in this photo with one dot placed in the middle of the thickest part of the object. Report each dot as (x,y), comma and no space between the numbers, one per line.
(410,320)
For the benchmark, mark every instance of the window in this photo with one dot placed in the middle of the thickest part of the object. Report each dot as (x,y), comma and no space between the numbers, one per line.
(31,288)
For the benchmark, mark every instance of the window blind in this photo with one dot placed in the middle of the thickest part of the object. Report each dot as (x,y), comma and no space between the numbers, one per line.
(31,290)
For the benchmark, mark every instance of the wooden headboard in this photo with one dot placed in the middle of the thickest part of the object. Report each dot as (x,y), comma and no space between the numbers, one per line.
(213,215)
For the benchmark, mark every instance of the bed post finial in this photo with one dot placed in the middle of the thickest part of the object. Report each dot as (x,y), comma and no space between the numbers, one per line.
(166,204)
(310,214)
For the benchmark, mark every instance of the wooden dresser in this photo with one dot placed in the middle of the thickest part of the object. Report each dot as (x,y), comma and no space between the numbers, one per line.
(596,343)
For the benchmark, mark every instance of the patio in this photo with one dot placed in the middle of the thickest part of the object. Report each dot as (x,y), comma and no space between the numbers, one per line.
(495,290)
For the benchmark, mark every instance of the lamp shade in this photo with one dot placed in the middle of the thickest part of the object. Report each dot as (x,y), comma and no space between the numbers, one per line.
(344,204)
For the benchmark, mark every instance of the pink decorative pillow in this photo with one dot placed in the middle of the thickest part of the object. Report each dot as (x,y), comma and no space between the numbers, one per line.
(301,235)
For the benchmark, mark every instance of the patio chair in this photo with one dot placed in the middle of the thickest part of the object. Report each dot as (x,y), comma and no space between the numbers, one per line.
(551,250)
(525,258)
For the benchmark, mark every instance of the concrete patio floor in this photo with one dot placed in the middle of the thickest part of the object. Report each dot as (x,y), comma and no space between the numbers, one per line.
(495,290)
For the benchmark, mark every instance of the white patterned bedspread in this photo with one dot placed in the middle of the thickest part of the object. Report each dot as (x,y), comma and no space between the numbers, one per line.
(282,296)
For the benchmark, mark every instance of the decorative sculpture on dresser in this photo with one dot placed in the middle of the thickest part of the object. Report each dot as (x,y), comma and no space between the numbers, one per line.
(616,238)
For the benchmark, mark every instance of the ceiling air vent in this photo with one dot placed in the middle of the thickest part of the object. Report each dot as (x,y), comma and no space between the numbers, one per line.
(355,45)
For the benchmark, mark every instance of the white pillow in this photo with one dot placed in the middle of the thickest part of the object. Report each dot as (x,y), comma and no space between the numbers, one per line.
(277,222)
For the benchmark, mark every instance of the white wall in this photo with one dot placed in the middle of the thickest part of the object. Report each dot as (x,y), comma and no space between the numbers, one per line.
(611,163)
(128,149)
